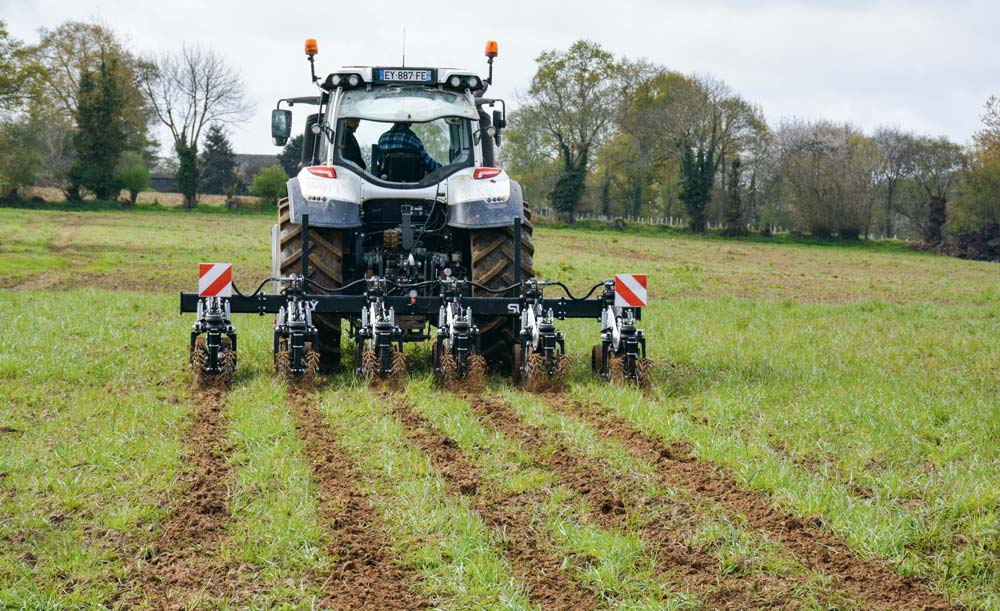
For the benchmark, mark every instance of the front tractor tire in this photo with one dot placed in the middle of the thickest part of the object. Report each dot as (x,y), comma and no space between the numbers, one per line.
(326,256)
(493,266)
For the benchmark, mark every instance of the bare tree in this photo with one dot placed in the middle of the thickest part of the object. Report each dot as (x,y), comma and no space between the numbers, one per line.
(898,150)
(65,54)
(828,172)
(645,97)
(188,91)
(989,136)
(735,221)
(739,122)
(19,72)
(69,51)
(760,162)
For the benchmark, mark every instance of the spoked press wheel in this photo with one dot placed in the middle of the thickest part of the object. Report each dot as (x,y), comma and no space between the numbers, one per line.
(200,359)
(387,365)
(493,266)
(326,255)
(453,377)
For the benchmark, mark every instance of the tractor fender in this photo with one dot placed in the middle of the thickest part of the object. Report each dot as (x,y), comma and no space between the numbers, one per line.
(323,211)
(493,210)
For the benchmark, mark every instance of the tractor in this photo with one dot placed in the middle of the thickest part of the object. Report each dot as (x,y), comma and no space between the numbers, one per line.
(400,228)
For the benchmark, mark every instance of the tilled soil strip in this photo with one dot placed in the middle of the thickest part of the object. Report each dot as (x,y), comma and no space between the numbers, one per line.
(699,571)
(812,543)
(366,577)
(184,561)
(549,586)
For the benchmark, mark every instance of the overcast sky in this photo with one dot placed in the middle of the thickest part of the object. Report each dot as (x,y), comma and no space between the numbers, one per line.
(926,66)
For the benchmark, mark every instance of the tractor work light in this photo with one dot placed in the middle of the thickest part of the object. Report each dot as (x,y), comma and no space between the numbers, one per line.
(311,47)
(343,80)
(462,82)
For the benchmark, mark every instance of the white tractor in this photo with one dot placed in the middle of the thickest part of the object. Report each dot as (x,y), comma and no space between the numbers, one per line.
(398,180)
(399,223)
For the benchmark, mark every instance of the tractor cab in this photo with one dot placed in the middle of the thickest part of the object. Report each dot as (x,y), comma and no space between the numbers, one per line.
(395,126)
(400,133)
(385,137)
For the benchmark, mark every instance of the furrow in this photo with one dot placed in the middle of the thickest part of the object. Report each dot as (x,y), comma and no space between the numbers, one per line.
(184,563)
(611,562)
(812,543)
(662,523)
(548,584)
(366,576)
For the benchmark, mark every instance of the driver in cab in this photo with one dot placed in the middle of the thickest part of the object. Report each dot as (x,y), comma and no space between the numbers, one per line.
(401,138)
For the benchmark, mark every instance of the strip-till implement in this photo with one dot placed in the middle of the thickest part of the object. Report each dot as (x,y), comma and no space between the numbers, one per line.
(399,223)
(372,306)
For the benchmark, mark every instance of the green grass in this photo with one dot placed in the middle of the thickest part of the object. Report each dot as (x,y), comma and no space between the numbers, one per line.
(859,383)
(83,476)
(661,231)
(706,526)
(104,206)
(274,528)
(442,536)
(881,419)
(617,565)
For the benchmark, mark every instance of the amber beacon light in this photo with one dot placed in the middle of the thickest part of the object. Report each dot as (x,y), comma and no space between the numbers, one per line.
(311,47)
(491,49)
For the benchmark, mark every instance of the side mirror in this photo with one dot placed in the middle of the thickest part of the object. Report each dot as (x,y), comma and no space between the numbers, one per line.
(499,122)
(281,126)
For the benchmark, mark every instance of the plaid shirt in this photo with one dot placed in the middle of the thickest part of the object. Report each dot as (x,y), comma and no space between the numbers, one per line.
(400,137)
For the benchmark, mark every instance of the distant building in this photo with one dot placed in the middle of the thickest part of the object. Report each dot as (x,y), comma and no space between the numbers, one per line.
(164,175)
(247,167)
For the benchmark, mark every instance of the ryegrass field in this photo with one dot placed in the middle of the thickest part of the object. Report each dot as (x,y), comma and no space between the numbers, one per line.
(823,432)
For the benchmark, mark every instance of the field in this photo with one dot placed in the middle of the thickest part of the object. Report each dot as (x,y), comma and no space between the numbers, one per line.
(823,432)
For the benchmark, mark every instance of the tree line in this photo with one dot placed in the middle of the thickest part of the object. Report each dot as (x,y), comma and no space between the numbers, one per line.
(594,132)
(630,138)
(78,111)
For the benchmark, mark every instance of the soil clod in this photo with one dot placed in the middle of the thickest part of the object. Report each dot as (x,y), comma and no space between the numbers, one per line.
(807,539)
(367,579)
(549,585)
(184,560)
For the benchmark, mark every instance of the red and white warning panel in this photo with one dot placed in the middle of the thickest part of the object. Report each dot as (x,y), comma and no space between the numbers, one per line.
(215,280)
(630,290)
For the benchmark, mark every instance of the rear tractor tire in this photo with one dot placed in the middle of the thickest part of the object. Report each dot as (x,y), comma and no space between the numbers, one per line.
(493,266)
(326,256)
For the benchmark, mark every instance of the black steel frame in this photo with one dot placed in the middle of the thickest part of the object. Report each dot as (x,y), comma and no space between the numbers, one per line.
(526,293)
(347,305)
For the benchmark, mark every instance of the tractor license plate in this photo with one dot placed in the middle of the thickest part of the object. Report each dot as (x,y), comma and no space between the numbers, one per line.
(404,76)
